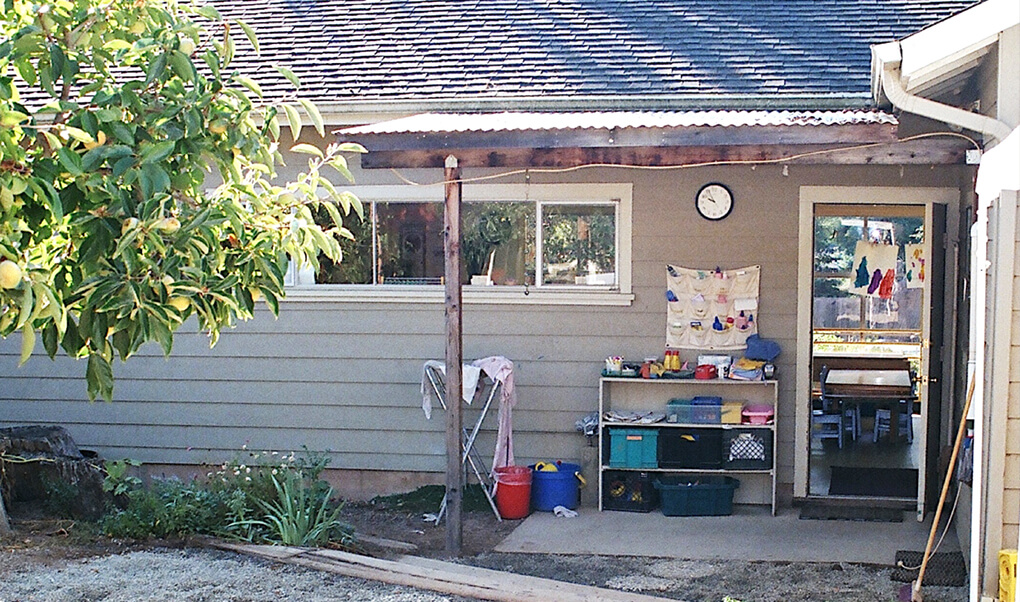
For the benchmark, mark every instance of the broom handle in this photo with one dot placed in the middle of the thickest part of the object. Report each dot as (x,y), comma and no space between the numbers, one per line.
(945,485)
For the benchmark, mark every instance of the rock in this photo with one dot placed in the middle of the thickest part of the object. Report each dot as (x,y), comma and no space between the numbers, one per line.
(45,467)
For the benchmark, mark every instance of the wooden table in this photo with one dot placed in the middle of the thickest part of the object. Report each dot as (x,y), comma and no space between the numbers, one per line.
(880,388)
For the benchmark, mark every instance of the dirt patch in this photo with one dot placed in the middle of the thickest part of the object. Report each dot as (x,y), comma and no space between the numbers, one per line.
(480,530)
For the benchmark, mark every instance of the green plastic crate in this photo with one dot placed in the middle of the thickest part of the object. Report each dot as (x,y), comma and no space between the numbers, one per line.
(696,496)
(633,448)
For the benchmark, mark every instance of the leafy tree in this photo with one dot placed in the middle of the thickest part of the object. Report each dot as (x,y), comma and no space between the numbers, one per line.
(137,179)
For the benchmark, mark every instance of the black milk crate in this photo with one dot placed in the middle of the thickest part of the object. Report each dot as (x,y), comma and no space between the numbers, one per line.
(629,491)
(747,449)
(690,448)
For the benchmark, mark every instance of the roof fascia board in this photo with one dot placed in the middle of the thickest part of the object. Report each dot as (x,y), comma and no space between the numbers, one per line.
(359,112)
(952,40)
(926,78)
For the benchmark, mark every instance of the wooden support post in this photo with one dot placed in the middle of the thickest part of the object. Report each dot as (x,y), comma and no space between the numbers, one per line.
(454,359)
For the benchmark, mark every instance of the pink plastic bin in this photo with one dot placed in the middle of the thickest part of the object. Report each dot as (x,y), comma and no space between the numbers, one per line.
(757,414)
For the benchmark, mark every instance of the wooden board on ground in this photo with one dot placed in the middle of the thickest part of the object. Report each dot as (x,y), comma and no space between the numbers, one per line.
(439,576)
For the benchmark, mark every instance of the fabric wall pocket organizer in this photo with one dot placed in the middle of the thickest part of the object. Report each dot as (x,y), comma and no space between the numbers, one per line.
(711,309)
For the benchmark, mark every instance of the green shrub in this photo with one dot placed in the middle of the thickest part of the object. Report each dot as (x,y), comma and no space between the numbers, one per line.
(168,508)
(302,514)
(268,497)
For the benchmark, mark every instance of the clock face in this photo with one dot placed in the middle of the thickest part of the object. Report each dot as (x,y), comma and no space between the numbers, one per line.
(714,201)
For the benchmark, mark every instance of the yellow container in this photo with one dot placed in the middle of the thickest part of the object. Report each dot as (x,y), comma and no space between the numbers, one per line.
(731,412)
(1007,575)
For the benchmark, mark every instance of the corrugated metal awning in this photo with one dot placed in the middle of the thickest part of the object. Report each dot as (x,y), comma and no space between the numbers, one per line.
(549,139)
(441,123)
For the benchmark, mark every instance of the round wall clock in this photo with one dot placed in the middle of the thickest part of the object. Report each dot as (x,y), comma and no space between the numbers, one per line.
(714,201)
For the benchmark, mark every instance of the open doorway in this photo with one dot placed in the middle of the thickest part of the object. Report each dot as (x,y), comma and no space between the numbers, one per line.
(871,339)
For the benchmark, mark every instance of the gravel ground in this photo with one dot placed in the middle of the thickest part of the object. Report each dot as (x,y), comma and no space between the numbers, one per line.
(194,575)
(60,561)
(198,574)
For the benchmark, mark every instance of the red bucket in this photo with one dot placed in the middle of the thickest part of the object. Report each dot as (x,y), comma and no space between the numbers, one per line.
(513,491)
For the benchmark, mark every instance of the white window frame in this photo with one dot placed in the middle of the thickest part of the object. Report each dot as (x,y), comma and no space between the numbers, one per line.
(299,289)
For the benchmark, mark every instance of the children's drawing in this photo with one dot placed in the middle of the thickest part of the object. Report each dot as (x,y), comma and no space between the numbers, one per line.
(874,269)
(916,265)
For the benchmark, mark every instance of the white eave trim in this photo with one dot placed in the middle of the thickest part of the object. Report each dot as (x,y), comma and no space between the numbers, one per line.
(953,43)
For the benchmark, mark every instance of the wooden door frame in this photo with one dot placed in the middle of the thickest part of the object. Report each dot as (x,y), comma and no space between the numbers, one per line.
(849,195)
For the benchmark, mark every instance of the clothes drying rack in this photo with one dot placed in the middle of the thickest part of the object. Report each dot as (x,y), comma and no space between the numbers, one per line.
(469,453)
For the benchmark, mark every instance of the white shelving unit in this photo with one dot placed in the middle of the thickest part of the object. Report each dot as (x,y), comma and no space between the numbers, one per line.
(757,486)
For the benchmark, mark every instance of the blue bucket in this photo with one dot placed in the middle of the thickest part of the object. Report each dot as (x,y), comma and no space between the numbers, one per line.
(560,488)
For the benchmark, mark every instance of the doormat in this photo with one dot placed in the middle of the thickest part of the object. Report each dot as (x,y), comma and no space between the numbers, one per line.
(873,482)
(830,512)
(944,568)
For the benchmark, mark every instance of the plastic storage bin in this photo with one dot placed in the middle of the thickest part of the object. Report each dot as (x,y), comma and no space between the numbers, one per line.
(731,412)
(690,448)
(633,448)
(758,414)
(679,411)
(628,491)
(706,410)
(747,449)
(696,496)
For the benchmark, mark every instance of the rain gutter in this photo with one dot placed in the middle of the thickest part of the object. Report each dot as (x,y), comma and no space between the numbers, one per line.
(886,60)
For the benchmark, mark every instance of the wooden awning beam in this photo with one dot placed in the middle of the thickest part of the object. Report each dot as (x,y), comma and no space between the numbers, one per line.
(927,151)
(643,137)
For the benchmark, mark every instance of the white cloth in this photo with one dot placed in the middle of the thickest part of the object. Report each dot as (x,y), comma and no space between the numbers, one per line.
(564,512)
(469,382)
(501,370)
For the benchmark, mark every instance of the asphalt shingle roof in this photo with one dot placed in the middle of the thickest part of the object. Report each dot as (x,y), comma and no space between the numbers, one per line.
(390,50)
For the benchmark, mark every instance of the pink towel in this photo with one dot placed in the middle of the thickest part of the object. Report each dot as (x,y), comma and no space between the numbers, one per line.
(501,370)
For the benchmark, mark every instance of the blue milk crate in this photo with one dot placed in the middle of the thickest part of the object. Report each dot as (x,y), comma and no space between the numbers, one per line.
(633,448)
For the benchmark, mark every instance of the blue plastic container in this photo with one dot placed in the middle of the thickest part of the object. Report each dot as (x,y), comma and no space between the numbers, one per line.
(560,488)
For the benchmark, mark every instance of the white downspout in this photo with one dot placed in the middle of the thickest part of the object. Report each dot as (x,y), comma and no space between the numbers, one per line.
(886,59)
(887,81)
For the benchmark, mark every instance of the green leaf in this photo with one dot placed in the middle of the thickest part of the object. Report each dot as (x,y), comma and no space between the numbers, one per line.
(99,375)
(57,62)
(122,165)
(27,344)
(248,31)
(313,112)
(351,147)
(10,119)
(182,66)
(306,149)
(249,83)
(209,12)
(152,153)
(289,75)
(156,69)
(79,134)
(90,123)
(70,161)
(50,339)
(294,120)
(159,332)
(116,44)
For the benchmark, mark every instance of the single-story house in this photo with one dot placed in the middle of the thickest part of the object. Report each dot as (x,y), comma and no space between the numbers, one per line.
(587,134)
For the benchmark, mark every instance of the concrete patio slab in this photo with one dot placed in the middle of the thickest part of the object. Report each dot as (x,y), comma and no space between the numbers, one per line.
(749,534)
